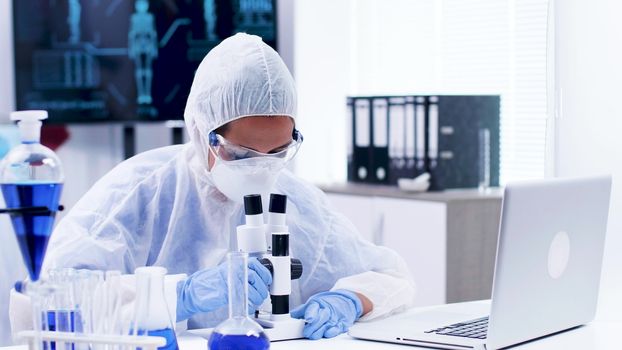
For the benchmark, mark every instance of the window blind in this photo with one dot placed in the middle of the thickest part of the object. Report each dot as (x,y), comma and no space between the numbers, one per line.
(491,46)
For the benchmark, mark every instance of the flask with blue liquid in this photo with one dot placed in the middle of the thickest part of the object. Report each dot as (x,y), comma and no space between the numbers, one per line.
(151,315)
(31,179)
(238,331)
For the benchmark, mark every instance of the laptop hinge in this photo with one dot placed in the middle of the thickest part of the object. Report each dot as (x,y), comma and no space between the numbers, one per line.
(433,343)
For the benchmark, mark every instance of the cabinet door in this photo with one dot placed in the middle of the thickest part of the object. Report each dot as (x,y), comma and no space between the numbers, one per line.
(359,210)
(417,231)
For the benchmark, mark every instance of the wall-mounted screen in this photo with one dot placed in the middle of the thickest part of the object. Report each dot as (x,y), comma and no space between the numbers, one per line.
(122,60)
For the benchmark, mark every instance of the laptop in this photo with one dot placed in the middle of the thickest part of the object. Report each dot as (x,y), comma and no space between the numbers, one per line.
(547,273)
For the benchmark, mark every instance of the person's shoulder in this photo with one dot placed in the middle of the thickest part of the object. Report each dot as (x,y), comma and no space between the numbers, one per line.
(147,168)
(147,163)
(155,157)
(289,180)
(300,190)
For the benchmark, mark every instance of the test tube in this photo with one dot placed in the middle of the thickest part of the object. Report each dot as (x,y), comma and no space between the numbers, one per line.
(113,302)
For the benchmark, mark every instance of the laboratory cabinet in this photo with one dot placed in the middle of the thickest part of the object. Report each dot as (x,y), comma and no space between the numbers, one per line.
(448,239)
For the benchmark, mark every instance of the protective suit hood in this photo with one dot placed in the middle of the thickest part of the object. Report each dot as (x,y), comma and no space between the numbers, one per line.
(240,77)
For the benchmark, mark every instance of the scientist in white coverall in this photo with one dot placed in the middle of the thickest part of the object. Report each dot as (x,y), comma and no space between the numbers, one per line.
(178,206)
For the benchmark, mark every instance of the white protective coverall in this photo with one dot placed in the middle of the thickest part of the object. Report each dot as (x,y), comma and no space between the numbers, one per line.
(161,207)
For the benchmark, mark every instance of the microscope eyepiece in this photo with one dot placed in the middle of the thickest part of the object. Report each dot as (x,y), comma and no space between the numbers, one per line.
(278,203)
(252,204)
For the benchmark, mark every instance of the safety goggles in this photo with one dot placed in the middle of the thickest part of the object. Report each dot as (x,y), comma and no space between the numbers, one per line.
(228,151)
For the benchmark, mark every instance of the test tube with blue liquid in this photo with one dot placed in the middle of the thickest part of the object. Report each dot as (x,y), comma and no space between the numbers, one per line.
(238,331)
(60,306)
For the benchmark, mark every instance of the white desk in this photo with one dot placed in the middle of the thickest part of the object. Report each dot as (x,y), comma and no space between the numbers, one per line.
(595,336)
(600,334)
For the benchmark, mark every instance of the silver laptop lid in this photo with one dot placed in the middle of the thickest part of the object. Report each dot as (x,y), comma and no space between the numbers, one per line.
(549,258)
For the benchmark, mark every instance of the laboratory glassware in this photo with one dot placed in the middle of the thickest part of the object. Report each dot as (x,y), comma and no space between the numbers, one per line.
(152,315)
(60,305)
(238,331)
(31,178)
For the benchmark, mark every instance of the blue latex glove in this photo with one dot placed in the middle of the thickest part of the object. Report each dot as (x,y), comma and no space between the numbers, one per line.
(329,314)
(206,290)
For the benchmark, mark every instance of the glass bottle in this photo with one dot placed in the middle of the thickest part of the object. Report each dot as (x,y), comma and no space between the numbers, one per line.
(152,315)
(31,178)
(238,331)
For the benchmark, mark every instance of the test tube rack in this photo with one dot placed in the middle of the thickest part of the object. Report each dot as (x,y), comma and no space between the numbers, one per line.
(106,341)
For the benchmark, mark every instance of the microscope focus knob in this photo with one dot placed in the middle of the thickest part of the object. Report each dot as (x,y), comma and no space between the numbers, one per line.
(296,269)
(267,264)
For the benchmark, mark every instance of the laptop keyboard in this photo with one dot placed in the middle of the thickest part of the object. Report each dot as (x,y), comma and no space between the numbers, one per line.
(469,329)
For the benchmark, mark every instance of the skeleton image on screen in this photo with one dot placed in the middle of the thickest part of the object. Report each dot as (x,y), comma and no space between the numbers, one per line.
(143,49)
(122,60)
(209,13)
(73,20)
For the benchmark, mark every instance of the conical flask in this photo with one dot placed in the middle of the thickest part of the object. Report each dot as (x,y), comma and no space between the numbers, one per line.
(31,178)
(152,316)
(238,331)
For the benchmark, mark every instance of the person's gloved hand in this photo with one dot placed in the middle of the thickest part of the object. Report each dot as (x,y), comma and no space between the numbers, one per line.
(329,314)
(206,290)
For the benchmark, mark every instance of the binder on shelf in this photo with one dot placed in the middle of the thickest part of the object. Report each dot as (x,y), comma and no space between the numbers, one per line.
(455,162)
(420,141)
(398,134)
(350,137)
(403,136)
(432,133)
(362,140)
(379,162)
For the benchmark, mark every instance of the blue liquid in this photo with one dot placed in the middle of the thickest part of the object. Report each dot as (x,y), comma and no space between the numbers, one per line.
(218,341)
(168,334)
(69,321)
(32,230)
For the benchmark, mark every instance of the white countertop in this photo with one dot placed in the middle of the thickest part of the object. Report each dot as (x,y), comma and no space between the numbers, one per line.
(603,333)
(594,336)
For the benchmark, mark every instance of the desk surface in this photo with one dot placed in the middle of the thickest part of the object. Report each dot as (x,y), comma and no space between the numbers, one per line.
(594,336)
(604,333)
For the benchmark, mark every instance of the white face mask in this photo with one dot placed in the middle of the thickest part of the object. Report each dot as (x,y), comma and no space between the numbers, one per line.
(238,178)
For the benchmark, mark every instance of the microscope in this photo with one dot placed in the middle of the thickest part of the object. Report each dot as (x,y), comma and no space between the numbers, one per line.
(252,238)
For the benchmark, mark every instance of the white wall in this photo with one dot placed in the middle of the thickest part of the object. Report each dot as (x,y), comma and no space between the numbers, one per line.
(376,47)
(589,124)
(321,53)
(362,47)
(9,253)
(7,97)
